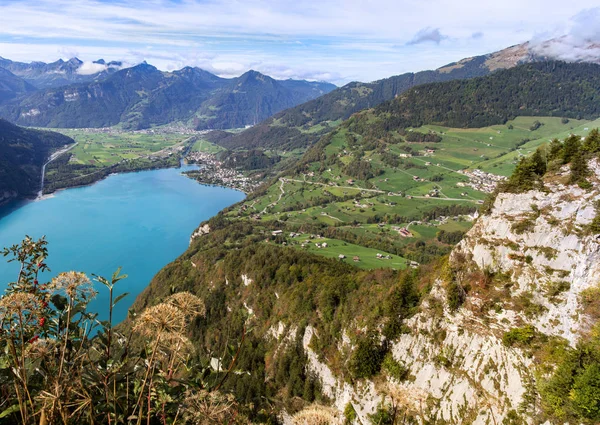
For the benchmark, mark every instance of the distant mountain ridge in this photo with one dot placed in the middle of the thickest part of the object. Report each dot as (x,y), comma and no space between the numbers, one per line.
(12,86)
(289,129)
(59,73)
(142,96)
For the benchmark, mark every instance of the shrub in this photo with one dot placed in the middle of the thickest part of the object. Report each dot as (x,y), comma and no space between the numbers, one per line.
(594,226)
(382,416)
(367,358)
(523,226)
(349,413)
(555,288)
(536,124)
(455,295)
(394,368)
(519,336)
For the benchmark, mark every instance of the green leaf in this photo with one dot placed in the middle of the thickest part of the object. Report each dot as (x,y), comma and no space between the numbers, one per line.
(119,298)
(12,409)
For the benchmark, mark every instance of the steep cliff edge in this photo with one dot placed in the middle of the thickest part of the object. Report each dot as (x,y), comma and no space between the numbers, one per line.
(503,331)
(540,240)
(521,272)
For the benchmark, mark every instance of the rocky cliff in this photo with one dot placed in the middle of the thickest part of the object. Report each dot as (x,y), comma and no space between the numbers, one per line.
(524,265)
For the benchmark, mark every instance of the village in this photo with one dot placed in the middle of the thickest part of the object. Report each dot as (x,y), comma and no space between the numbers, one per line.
(212,171)
(166,129)
(480,180)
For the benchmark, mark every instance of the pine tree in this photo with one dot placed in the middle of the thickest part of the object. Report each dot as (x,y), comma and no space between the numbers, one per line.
(538,162)
(592,141)
(555,149)
(579,168)
(570,147)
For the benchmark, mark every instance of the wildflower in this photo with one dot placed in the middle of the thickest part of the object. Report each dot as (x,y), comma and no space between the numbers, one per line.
(73,284)
(188,303)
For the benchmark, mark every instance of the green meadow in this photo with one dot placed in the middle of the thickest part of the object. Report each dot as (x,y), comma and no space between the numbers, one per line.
(372,209)
(102,149)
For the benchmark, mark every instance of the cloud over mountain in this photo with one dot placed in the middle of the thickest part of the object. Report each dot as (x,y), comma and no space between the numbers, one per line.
(426,35)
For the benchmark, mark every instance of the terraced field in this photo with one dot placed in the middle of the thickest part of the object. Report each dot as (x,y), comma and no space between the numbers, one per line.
(428,182)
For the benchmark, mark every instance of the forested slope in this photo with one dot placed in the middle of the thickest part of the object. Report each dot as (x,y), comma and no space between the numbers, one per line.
(22,155)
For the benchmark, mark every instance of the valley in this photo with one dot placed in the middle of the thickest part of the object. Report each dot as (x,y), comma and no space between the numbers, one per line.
(408,199)
(100,152)
(421,249)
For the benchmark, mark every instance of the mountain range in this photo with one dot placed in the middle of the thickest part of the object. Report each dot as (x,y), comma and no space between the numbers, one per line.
(60,73)
(302,125)
(142,96)
(503,329)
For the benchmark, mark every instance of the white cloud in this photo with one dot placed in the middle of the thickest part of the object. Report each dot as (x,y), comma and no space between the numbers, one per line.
(91,68)
(341,39)
(581,42)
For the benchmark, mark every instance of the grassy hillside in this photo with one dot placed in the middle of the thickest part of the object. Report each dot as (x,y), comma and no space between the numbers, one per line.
(362,193)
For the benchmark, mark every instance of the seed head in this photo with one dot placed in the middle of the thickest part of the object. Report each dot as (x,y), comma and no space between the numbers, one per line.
(21,306)
(160,320)
(73,284)
(317,415)
(188,303)
(208,408)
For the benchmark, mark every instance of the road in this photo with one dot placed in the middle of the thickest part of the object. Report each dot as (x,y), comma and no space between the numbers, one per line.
(52,158)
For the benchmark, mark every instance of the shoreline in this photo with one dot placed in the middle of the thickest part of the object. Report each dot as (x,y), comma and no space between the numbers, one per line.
(16,203)
(104,173)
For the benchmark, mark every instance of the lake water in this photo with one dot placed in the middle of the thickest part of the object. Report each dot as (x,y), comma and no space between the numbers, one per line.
(140,221)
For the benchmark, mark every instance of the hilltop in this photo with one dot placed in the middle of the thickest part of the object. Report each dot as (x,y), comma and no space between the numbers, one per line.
(302,125)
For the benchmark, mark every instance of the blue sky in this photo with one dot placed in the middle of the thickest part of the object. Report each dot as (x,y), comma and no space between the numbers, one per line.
(332,40)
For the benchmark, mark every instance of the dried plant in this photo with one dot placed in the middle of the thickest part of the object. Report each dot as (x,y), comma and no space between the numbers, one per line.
(189,304)
(59,374)
(317,414)
(209,408)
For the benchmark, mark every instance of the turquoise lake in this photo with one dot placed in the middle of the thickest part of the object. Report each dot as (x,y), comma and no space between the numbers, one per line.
(140,221)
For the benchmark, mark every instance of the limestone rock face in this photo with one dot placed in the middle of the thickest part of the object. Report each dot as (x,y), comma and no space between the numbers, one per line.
(460,370)
(202,230)
(540,240)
